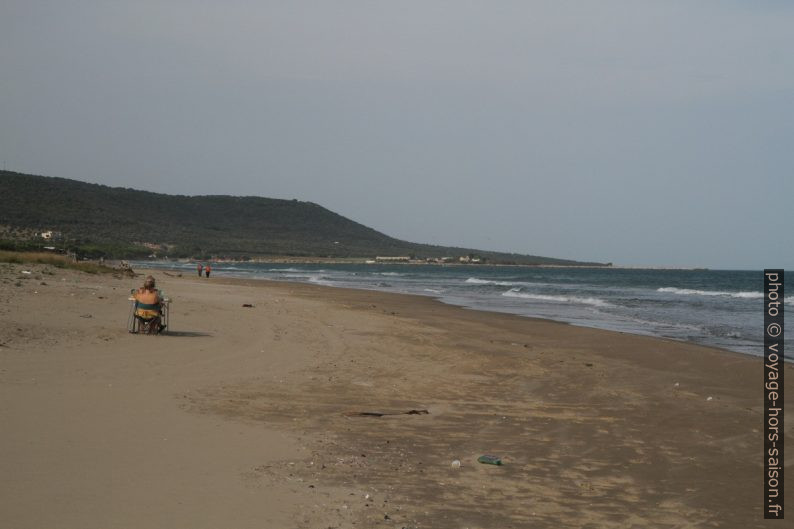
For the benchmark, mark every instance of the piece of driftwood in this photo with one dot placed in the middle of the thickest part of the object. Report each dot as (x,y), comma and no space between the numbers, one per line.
(382,413)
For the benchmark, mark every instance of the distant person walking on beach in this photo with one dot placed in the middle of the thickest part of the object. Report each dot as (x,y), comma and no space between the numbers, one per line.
(207,269)
(199,267)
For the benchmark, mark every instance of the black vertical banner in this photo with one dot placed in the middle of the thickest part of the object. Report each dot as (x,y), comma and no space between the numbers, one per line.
(773,394)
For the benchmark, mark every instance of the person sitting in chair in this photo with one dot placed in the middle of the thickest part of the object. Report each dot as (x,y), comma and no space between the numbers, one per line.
(148,307)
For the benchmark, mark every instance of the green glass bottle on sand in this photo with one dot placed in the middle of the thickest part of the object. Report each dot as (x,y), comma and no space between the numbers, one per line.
(490,460)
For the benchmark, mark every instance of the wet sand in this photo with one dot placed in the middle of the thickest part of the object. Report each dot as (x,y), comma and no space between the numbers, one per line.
(245,417)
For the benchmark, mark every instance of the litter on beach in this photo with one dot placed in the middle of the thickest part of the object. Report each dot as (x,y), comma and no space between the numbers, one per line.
(490,460)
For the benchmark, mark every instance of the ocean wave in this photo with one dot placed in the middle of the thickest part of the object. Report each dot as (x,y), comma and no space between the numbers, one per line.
(286,270)
(320,280)
(692,292)
(656,324)
(310,277)
(390,274)
(595,302)
(477,281)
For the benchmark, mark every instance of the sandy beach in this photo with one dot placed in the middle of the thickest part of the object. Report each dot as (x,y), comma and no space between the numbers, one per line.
(261,416)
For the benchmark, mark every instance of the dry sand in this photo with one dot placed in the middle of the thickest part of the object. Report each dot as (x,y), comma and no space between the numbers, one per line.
(237,418)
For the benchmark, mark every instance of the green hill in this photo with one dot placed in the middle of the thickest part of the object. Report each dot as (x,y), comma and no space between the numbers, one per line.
(97,220)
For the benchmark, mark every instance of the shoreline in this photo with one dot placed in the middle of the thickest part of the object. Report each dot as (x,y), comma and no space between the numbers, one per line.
(253,282)
(612,323)
(241,416)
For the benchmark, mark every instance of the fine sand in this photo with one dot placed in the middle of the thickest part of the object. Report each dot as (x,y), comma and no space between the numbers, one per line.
(245,417)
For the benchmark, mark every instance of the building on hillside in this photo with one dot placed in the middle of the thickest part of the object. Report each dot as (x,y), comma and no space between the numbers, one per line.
(50,235)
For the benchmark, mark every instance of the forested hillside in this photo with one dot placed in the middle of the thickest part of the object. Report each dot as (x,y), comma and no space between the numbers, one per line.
(120,222)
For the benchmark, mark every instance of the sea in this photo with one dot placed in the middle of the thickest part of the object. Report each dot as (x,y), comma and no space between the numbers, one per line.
(721,308)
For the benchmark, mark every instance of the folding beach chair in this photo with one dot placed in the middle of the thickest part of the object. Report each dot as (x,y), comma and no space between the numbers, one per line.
(142,325)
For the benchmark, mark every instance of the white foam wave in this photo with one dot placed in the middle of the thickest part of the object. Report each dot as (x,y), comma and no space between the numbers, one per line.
(311,278)
(477,281)
(747,295)
(286,270)
(433,290)
(595,302)
(389,274)
(693,292)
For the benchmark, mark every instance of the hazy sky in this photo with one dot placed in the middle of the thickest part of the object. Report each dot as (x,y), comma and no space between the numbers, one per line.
(628,131)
